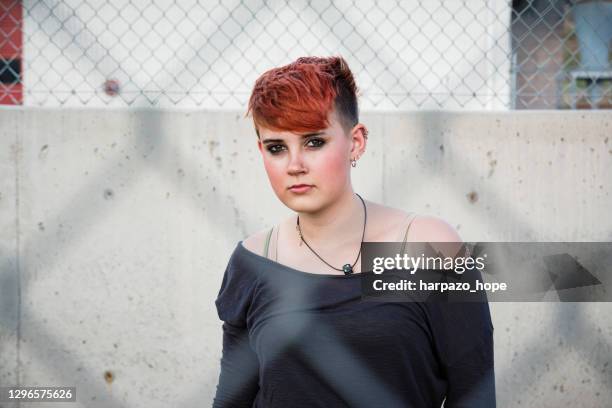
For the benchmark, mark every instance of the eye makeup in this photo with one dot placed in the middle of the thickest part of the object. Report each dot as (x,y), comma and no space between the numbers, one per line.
(276,146)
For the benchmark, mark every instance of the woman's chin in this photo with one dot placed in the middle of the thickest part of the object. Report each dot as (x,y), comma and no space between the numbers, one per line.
(301,204)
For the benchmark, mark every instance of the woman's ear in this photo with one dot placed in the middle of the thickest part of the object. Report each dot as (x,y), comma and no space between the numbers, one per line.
(359,137)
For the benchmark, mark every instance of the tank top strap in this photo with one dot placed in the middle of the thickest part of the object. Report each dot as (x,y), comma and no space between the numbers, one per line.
(411,217)
(265,251)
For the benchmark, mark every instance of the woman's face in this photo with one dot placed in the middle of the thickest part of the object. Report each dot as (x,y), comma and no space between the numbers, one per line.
(320,161)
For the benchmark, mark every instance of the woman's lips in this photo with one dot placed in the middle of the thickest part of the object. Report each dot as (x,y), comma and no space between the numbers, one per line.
(300,188)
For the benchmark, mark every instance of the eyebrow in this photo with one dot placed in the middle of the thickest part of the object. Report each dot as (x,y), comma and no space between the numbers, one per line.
(307,135)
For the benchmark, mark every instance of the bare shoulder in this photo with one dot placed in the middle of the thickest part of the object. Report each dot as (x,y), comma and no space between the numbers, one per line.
(389,224)
(256,242)
(442,237)
(428,228)
(421,227)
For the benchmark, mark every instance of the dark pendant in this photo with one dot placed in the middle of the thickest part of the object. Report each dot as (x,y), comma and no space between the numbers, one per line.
(348,269)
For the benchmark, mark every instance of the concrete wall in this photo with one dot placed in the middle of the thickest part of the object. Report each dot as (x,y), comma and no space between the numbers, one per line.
(116,226)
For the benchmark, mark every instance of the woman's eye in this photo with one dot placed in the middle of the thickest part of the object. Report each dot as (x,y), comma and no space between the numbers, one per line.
(275,149)
(316,142)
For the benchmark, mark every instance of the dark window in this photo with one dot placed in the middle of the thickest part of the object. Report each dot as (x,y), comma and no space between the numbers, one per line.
(10,71)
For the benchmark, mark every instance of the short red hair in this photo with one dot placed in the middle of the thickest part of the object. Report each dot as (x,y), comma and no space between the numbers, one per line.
(299,96)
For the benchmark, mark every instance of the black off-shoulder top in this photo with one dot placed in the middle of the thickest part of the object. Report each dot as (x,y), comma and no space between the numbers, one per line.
(298,339)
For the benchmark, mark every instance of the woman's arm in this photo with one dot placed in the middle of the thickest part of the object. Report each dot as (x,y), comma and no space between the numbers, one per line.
(239,378)
(463,331)
(471,377)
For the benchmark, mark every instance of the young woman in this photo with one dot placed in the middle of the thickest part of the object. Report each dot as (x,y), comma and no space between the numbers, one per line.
(296,332)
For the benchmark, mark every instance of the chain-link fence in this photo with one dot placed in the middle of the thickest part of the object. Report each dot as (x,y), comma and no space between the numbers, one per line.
(429,54)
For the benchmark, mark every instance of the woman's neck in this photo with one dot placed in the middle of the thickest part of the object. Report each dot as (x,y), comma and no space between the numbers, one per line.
(341,222)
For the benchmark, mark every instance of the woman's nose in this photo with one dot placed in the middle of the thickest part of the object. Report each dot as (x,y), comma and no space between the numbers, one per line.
(296,163)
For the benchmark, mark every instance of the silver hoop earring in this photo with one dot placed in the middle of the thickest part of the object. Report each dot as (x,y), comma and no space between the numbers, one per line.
(353,163)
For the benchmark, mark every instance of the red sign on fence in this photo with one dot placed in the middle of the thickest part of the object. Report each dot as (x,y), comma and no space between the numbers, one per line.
(11,52)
